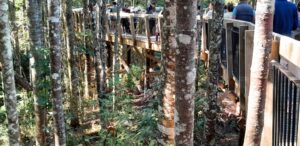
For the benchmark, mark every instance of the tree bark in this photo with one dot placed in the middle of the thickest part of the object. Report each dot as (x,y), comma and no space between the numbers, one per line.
(116,61)
(102,50)
(91,70)
(37,77)
(8,75)
(15,37)
(167,107)
(213,72)
(55,54)
(75,95)
(86,26)
(259,71)
(185,72)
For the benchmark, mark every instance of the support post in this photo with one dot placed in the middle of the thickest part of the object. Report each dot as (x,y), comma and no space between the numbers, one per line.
(229,57)
(242,43)
(148,33)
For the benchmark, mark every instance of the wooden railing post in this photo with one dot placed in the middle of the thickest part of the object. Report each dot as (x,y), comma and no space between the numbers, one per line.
(249,36)
(275,50)
(81,22)
(74,21)
(204,55)
(120,31)
(106,23)
(229,57)
(242,43)
(160,31)
(147,29)
(132,29)
(209,24)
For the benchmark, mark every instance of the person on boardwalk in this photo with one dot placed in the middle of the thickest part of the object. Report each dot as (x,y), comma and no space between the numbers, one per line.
(209,12)
(152,21)
(114,8)
(125,21)
(228,13)
(296,33)
(285,17)
(113,20)
(243,11)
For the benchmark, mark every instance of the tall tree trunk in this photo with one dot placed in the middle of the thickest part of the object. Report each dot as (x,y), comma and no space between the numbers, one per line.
(166,125)
(213,72)
(185,72)
(259,71)
(91,70)
(45,23)
(15,37)
(86,26)
(54,36)
(75,95)
(8,75)
(96,45)
(37,43)
(101,54)
(116,62)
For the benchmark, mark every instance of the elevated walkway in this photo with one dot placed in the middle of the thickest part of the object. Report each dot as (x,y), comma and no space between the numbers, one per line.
(283,89)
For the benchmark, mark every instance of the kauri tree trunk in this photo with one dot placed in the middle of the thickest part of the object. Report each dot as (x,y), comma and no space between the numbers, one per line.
(259,71)
(185,72)
(37,77)
(102,50)
(75,95)
(213,72)
(55,54)
(167,107)
(8,75)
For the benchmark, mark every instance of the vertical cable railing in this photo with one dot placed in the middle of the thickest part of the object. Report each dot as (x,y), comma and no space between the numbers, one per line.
(286,89)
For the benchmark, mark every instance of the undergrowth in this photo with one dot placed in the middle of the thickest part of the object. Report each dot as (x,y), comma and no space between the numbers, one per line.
(128,124)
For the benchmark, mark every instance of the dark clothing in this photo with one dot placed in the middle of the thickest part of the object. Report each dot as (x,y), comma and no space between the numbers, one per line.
(285,17)
(152,21)
(150,9)
(125,25)
(243,11)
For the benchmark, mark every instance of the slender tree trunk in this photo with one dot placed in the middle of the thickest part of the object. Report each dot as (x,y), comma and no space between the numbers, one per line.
(91,70)
(8,75)
(103,47)
(116,62)
(96,26)
(45,23)
(185,72)
(259,71)
(101,54)
(166,125)
(54,36)
(85,40)
(37,38)
(213,72)
(75,96)
(15,37)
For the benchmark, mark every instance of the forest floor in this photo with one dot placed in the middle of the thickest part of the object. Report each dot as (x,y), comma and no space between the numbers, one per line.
(229,121)
(228,124)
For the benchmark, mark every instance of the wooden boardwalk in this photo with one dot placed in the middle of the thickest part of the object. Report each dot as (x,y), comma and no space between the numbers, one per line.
(283,88)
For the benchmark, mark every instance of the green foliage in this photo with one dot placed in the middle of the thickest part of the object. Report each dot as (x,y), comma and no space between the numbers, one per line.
(128,124)
(200,103)
(134,75)
(25,99)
